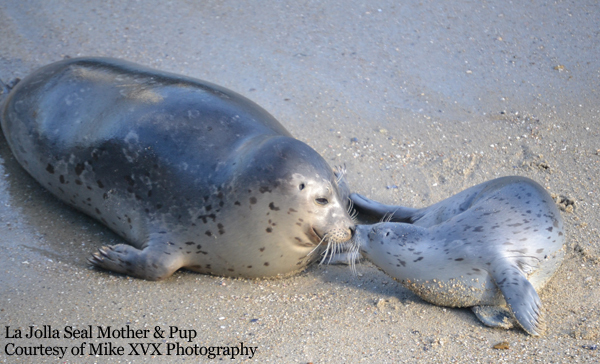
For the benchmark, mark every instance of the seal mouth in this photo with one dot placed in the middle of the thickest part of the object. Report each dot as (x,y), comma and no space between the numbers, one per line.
(315,235)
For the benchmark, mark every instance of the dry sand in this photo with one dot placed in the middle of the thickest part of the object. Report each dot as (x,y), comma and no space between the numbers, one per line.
(419,100)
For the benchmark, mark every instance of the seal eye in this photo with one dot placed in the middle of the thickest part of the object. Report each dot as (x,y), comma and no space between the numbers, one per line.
(322,201)
(301,186)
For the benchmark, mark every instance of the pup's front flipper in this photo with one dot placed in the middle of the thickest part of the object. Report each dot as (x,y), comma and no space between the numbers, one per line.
(380,211)
(494,316)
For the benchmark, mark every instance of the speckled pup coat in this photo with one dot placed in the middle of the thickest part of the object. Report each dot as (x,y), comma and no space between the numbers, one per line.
(490,245)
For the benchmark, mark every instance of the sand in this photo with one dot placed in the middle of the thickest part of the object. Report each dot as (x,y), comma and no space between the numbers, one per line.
(419,100)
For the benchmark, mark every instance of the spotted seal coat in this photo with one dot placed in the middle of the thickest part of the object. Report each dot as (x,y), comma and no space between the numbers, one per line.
(489,247)
(190,174)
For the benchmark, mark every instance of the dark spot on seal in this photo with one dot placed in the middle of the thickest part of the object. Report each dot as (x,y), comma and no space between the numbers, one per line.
(208,233)
(549,229)
(264,189)
(269,229)
(252,200)
(237,203)
(78,182)
(249,267)
(79,168)
(262,249)
(105,196)
(459,259)
(221,228)
(210,216)
(129,180)
(50,168)
(149,193)
(419,258)
(61,179)
(208,207)
(230,269)
(98,211)
(190,243)
(158,206)
(266,264)
(273,207)
(291,210)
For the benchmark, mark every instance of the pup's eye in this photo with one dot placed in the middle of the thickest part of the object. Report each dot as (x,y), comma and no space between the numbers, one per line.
(322,201)
(301,186)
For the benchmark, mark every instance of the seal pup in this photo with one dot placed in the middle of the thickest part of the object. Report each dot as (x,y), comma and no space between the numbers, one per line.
(190,174)
(487,247)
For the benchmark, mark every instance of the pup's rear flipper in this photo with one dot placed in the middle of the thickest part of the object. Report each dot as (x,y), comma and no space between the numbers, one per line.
(521,297)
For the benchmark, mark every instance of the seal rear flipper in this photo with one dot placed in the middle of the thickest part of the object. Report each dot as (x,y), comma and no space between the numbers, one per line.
(152,263)
(521,297)
(494,316)
(381,211)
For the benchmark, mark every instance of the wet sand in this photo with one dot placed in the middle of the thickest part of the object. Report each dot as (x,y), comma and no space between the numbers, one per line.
(419,101)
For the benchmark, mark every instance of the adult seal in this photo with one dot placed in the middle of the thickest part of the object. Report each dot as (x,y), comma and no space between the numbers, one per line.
(489,247)
(190,174)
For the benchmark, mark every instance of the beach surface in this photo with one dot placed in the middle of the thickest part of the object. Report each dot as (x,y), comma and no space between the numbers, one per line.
(418,100)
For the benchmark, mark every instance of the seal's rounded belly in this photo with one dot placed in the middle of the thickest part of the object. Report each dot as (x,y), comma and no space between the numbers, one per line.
(191,174)
(489,246)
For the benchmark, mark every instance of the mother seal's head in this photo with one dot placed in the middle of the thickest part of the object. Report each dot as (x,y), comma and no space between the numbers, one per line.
(303,193)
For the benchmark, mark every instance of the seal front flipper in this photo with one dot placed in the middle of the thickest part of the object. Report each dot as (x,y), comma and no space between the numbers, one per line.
(521,297)
(380,211)
(494,316)
(153,263)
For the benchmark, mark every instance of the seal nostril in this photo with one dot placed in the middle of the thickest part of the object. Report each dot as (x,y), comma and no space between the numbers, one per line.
(352,231)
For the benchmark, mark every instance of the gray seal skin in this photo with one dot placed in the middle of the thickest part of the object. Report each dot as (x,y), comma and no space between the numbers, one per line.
(190,174)
(487,247)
